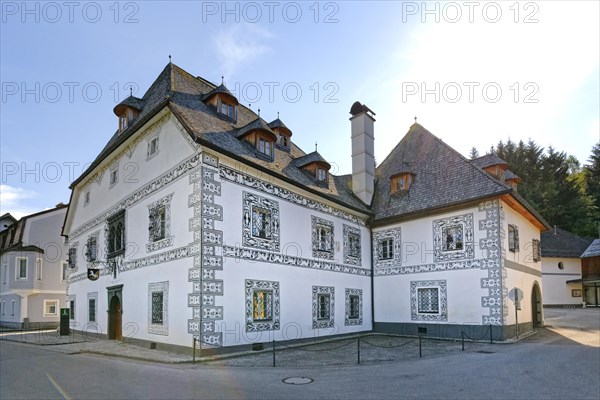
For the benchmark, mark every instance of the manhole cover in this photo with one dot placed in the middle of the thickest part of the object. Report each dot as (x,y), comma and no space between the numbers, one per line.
(297,380)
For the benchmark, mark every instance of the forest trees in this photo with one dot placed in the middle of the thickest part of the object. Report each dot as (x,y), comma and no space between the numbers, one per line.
(565,193)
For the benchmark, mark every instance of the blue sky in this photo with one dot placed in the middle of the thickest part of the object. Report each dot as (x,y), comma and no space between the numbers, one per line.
(473,74)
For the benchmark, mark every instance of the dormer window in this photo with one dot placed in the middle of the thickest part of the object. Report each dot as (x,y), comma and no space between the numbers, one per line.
(228,110)
(123,123)
(321,175)
(284,141)
(400,183)
(265,147)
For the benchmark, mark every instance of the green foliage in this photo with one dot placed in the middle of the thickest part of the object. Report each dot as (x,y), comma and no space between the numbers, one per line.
(554,183)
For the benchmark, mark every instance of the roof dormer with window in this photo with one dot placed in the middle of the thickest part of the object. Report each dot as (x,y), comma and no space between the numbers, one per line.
(401,182)
(258,134)
(223,101)
(315,166)
(127,111)
(283,133)
(493,165)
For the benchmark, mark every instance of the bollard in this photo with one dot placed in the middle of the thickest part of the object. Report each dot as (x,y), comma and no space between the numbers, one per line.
(358,346)
(420,346)
(194,349)
(273,353)
(462,334)
(491,340)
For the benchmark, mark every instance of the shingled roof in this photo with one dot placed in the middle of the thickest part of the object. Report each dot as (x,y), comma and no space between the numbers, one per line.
(593,249)
(442,177)
(310,158)
(560,243)
(183,94)
(488,160)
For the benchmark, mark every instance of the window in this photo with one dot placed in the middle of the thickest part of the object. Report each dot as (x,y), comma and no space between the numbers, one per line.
(92,310)
(513,238)
(12,308)
(261,223)
(386,247)
(353,307)
(322,238)
(157,223)
(38,269)
(123,122)
(428,300)
(263,305)
(86,198)
(265,147)
(91,249)
(537,255)
(4,273)
(63,274)
(400,183)
(72,257)
(228,110)
(157,308)
(72,309)
(321,175)
(21,272)
(116,234)
(323,306)
(158,317)
(352,254)
(50,308)
(575,292)
(284,141)
(323,309)
(114,176)
(452,237)
(152,146)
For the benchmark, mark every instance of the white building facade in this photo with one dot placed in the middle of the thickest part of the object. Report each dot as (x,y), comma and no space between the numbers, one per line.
(200,221)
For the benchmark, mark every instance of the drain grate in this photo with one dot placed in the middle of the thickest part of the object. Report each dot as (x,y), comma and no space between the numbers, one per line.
(297,380)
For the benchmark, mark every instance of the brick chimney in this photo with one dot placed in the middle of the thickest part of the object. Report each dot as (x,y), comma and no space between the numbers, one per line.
(363,152)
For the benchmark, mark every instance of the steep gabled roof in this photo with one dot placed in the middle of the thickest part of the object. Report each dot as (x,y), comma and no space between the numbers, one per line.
(442,177)
(560,243)
(593,249)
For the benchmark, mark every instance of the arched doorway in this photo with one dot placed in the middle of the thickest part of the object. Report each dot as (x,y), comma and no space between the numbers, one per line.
(114,319)
(536,306)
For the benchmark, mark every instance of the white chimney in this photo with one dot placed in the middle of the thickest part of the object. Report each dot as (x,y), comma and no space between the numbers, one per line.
(363,152)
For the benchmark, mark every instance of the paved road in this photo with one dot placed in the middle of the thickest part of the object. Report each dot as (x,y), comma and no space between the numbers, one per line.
(545,366)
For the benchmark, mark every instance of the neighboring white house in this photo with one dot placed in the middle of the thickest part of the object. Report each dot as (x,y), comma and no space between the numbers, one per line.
(201,220)
(561,267)
(33,274)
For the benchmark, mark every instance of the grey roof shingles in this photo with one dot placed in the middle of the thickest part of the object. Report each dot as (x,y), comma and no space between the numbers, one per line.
(441,177)
(309,159)
(488,160)
(560,243)
(593,249)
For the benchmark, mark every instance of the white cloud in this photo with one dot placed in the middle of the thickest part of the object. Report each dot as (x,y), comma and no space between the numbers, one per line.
(11,201)
(240,44)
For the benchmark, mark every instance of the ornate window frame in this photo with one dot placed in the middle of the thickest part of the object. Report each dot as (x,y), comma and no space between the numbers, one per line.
(112,228)
(250,201)
(441,286)
(440,226)
(352,233)
(378,238)
(154,208)
(318,223)
(352,294)
(252,286)
(317,292)
(153,327)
